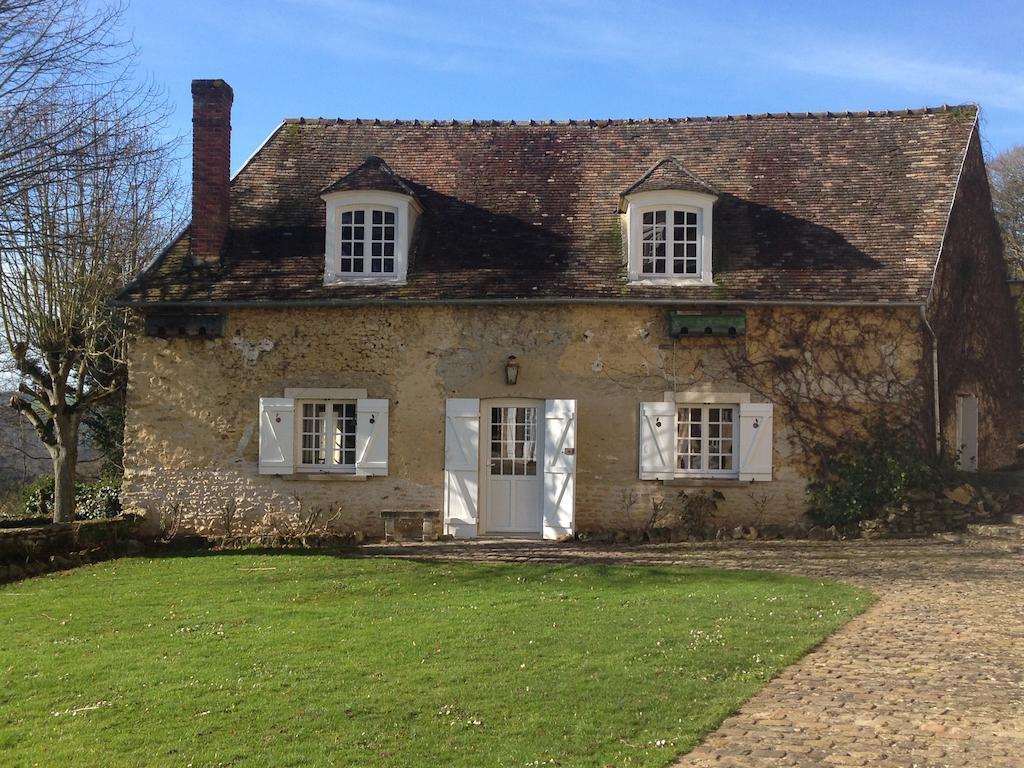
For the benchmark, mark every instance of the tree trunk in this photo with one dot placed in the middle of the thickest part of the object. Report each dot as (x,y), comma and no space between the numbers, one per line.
(65,460)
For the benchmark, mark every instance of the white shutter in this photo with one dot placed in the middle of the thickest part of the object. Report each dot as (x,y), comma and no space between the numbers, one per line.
(371,437)
(755,445)
(657,440)
(559,467)
(277,435)
(461,466)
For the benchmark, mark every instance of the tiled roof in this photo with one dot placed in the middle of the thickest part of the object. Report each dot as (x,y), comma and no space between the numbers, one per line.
(843,207)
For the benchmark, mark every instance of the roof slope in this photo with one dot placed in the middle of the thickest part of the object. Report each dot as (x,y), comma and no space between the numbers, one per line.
(833,207)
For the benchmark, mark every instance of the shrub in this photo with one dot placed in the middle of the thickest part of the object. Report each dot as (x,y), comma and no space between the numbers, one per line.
(99,500)
(93,501)
(37,497)
(697,510)
(859,479)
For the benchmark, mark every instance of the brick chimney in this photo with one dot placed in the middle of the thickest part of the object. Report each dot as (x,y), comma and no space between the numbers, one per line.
(211,169)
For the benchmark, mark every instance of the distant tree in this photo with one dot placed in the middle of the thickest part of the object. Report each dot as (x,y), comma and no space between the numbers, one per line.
(1006,172)
(87,195)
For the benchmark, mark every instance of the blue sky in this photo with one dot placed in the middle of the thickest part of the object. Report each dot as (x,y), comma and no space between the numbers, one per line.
(582,59)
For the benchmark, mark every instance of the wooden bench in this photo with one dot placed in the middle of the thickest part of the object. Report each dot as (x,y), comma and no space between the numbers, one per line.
(411,524)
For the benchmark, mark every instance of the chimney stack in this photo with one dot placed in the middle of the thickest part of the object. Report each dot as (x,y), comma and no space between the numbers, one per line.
(211,169)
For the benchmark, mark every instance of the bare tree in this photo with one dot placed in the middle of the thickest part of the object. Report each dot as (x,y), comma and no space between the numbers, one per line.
(1006,172)
(87,194)
(59,60)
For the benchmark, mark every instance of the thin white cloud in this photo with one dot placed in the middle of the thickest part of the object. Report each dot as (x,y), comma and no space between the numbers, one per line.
(476,39)
(925,78)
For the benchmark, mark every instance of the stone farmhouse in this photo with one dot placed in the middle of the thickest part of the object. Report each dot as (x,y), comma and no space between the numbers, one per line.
(537,328)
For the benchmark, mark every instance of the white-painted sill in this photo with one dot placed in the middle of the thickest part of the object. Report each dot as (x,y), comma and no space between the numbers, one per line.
(671,282)
(706,482)
(344,475)
(349,280)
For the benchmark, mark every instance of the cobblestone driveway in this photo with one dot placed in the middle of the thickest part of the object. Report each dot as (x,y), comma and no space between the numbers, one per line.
(931,676)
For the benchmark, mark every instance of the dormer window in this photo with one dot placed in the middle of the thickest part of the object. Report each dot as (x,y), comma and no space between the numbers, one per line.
(671,242)
(371,214)
(668,215)
(367,241)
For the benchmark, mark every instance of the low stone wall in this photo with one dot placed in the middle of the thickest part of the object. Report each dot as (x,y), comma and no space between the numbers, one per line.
(949,509)
(31,551)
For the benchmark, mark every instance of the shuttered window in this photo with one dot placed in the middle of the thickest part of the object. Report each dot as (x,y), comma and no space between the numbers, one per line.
(706,440)
(330,435)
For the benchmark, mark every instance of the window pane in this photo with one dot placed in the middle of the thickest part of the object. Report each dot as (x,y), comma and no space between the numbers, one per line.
(659,217)
(313,433)
(378,216)
(513,441)
(679,217)
(648,217)
(346,217)
(691,218)
(389,217)
(359,217)
(344,440)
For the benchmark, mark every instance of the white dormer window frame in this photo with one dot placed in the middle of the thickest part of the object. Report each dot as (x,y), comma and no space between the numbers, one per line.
(405,211)
(695,211)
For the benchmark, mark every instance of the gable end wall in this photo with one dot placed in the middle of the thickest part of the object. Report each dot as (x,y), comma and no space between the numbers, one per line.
(972,314)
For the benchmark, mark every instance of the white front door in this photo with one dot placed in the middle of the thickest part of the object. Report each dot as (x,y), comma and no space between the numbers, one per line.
(513,467)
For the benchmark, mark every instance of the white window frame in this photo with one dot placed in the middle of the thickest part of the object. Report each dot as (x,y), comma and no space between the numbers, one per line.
(704,401)
(330,422)
(327,396)
(406,209)
(668,200)
(705,463)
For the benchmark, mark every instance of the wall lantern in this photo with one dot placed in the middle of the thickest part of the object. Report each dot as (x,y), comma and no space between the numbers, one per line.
(511,370)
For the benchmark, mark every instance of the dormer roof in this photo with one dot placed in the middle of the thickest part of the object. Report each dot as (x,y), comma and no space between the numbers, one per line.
(669,174)
(372,174)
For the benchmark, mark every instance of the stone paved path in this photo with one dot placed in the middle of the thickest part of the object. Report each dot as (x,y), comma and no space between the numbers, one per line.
(931,676)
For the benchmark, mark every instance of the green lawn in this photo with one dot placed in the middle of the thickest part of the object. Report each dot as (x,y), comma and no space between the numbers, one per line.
(311,660)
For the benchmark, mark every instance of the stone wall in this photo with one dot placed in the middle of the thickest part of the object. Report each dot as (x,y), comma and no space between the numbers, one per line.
(35,550)
(192,428)
(975,320)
